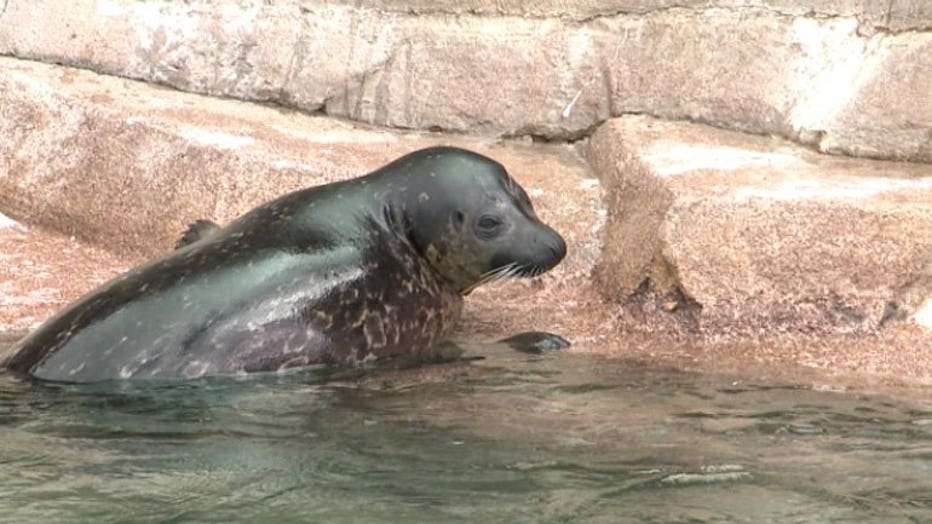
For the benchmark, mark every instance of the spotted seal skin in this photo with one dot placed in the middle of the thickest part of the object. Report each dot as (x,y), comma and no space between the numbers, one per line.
(340,274)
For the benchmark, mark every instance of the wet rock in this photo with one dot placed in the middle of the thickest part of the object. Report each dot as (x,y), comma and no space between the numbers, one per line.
(756,235)
(823,74)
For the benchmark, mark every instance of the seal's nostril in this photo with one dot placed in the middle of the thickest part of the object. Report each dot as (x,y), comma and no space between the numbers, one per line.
(557,247)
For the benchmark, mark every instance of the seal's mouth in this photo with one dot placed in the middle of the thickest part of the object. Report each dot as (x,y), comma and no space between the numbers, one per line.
(512,270)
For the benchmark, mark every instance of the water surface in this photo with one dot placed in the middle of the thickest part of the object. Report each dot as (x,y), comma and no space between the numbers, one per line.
(512,438)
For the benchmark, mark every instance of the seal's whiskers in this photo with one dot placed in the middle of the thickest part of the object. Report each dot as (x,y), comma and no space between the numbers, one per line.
(507,271)
(492,275)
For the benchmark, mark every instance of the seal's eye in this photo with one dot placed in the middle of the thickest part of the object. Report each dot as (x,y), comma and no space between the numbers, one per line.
(489,226)
(489,222)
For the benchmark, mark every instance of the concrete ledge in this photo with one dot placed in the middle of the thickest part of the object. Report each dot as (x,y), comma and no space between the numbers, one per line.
(737,234)
(826,78)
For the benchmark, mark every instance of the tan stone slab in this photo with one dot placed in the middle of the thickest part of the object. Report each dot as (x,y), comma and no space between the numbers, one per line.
(896,15)
(744,234)
(816,81)
(877,105)
(830,81)
(126,166)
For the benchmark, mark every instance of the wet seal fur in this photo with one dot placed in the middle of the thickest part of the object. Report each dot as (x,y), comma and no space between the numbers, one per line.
(341,274)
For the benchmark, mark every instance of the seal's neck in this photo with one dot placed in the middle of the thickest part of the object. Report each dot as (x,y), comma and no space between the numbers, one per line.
(418,217)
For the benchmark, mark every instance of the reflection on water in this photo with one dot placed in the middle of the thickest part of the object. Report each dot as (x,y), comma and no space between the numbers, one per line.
(508,439)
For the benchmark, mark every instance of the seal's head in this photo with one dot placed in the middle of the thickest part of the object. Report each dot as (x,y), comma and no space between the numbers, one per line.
(471,220)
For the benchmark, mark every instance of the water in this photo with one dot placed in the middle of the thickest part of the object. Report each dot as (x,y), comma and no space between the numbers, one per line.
(511,438)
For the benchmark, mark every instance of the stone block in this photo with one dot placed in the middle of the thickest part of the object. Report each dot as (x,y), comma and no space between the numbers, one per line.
(895,15)
(749,234)
(834,76)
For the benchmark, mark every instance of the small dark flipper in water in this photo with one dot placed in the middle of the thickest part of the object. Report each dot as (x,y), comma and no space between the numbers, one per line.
(536,342)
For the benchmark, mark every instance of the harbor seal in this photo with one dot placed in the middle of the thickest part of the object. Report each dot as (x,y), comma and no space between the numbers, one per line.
(340,274)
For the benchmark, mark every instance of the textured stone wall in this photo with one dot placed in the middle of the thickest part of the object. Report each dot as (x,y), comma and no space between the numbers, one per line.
(892,15)
(847,77)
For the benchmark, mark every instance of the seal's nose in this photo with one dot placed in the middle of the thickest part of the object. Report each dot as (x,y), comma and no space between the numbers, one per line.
(556,245)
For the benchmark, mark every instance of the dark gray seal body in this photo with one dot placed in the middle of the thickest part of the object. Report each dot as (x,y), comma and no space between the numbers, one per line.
(350,272)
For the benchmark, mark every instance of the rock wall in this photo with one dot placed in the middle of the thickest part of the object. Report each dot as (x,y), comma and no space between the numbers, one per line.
(847,77)
(705,123)
(891,15)
(742,233)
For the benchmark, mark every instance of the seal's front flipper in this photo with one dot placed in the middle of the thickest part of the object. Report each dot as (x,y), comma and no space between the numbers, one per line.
(199,230)
(536,342)
(449,352)
(442,353)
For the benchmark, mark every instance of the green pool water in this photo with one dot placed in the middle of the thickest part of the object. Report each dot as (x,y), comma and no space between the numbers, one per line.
(511,438)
